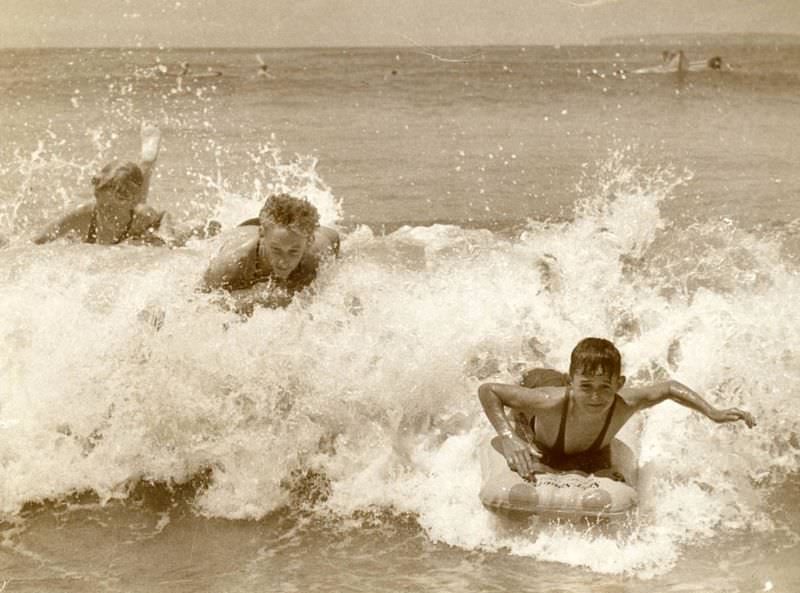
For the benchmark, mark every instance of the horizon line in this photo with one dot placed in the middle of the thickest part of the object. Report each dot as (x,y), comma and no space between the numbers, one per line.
(788,38)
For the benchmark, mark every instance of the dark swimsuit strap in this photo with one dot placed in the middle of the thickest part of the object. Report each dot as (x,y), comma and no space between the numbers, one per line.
(258,270)
(600,437)
(558,446)
(91,234)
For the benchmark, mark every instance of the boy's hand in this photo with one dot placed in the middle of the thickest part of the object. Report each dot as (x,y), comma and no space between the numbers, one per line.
(732,415)
(521,456)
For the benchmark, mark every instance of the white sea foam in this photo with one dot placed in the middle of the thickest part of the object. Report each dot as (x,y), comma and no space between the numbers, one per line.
(380,397)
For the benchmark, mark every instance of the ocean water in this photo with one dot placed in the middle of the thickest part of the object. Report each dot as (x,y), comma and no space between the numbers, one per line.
(496,205)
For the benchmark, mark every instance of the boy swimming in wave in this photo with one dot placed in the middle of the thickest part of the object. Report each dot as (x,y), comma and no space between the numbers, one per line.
(119,212)
(570,428)
(267,260)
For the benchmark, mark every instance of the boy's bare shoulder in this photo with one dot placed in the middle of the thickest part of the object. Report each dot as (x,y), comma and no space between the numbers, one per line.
(327,234)
(233,264)
(240,240)
(538,399)
(326,242)
(83,209)
(145,218)
(79,215)
(551,397)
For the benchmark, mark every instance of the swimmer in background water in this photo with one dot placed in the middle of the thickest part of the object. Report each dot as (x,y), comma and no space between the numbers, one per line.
(266,261)
(119,212)
(570,428)
(671,61)
(263,68)
(714,63)
(676,62)
(208,73)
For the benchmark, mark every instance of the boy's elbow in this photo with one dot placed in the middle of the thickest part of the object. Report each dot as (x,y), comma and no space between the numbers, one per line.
(485,392)
(661,392)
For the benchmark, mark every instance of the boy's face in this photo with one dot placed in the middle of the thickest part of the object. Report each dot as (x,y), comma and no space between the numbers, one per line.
(117,202)
(283,248)
(595,392)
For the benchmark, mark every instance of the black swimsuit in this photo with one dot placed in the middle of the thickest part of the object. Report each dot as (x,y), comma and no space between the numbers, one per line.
(91,235)
(593,459)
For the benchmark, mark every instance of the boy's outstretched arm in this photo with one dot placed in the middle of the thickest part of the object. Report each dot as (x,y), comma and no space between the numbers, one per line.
(521,455)
(645,397)
(58,228)
(73,223)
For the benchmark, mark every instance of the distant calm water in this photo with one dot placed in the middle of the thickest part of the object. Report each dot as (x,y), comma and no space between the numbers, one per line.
(319,448)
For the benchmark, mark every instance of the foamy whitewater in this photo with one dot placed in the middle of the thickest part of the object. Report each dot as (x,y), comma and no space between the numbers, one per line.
(344,428)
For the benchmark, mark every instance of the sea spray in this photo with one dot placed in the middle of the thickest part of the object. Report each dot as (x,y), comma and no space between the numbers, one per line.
(368,388)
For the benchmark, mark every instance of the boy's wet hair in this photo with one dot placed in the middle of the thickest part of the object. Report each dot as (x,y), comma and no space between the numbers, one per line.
(593,354)
(293,213)
(125,177)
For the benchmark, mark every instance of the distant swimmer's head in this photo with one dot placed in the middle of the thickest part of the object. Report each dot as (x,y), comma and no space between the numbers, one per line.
(119,184)
(715,63)
(287,230)
(595,374)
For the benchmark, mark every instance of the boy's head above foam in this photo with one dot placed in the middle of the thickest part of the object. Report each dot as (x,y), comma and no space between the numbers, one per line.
(592,356)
